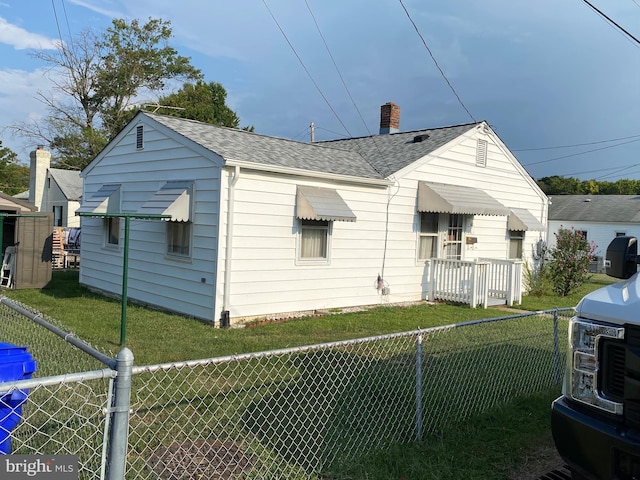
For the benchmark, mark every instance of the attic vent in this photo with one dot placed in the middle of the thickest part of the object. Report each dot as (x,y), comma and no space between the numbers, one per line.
(420,138)
(481,153)
(139,137)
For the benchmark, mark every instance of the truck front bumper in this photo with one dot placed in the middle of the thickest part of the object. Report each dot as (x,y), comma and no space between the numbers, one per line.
(594,446)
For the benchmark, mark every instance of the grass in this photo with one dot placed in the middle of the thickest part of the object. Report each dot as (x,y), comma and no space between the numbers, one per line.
(491,445)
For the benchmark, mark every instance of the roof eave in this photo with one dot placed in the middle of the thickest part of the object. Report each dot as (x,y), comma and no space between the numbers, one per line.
(378,182)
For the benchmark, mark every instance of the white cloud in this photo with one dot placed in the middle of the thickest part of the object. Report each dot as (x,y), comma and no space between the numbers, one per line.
(21,39)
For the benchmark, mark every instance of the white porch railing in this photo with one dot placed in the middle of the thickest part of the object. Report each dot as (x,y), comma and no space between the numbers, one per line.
(476,282)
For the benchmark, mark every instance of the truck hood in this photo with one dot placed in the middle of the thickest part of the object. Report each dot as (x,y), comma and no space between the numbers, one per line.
(618,303)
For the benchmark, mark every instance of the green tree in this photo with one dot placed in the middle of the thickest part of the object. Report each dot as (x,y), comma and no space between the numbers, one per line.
(568,265)
(205,102)
(14,178)
(96,80)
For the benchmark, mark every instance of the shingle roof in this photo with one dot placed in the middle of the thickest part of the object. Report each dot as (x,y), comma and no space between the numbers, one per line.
(69,182)
(375,157)
(233,144)
(392,152)
(595,208)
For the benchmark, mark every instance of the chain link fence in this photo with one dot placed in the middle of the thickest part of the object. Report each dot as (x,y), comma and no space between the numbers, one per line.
(291,413)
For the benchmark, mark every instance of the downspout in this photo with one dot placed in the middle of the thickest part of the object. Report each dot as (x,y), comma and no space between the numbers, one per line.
(226,296)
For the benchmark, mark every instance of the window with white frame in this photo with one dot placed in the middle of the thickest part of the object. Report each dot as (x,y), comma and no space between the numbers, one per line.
(516,239)
(314,240)
(453,245)
(179,238)
(112,231)
(621,234)
(428,237)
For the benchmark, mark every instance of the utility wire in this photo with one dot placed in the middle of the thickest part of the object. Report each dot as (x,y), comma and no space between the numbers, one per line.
(55,16)
(610,20)
(571,146)
(436,62)
(580,153)
(305,68)
(326,46)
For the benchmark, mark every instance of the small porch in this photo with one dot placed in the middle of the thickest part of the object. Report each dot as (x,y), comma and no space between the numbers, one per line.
(483,282)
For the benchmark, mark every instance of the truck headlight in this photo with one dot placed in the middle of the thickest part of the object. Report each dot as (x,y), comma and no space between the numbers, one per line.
(581,381)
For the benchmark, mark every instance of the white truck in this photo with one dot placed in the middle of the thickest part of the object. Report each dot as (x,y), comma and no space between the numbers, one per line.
(596,421)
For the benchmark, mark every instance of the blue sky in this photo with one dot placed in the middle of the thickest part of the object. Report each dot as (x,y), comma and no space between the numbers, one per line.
(544,74)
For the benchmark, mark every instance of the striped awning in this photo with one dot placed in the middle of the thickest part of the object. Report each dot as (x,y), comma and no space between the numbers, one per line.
(105,201)
(315,203)
(445,198)
(174,199)
(523,220)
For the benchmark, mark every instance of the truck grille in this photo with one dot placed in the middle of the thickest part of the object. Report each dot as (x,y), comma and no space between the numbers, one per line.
(620,373)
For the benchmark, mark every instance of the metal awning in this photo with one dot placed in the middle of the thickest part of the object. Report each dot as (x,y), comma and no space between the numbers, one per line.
(174,199)
(105,201)
(444,198)
(522,220)
(314,203)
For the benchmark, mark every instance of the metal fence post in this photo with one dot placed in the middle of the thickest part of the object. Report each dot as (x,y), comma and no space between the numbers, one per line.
(118,437)
(419,386)
(556,349)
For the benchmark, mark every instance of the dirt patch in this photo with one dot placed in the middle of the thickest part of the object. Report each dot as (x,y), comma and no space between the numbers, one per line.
(537,462)
(210,459)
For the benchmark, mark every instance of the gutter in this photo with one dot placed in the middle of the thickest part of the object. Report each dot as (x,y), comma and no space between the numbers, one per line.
(226,296)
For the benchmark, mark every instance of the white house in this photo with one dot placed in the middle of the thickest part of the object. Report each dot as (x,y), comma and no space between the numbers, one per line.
(53,189)
(600,218)
(255,225)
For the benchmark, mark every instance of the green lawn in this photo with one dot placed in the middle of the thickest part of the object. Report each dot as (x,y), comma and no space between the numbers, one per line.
(491,445)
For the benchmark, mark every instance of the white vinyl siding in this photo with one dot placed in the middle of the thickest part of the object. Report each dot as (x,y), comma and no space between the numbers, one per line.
(155,277)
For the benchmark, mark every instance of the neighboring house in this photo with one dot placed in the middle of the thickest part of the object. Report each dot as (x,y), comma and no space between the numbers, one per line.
(256,225)
(53,189)
(600,218)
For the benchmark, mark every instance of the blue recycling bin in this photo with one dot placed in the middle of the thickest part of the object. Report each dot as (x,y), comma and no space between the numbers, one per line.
(16,363)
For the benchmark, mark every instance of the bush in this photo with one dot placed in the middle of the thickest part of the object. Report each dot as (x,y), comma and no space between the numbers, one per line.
(536,278)
(568,265)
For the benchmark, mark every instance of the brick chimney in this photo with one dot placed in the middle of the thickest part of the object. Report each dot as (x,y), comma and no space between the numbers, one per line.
(39,165)
(389,118)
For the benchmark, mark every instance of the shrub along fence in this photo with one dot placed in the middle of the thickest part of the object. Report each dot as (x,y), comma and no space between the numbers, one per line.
(290,413)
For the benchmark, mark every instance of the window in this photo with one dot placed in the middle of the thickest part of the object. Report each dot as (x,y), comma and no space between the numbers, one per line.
(139,137)
(516,239)
(179,238)
(112,230)
(314,240)
(621,234)
(582,233)
(453,245)
(428,240)
(57,215)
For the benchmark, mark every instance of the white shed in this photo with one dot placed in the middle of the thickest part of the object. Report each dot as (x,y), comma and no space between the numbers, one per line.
(260,226)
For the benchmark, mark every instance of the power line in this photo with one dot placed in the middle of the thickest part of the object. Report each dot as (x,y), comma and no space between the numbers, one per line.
(610,20)
(436,62)
(326,46)
(55,15)
(575,145)
(579,153)
(305,68)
